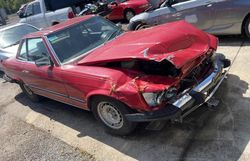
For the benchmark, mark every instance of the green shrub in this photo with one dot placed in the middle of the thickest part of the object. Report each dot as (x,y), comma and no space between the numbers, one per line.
(12,6)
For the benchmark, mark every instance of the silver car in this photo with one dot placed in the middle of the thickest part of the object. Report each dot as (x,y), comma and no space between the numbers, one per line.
(219,17)
(9,39)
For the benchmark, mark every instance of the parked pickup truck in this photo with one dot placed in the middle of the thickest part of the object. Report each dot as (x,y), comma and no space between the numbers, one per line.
(38,15)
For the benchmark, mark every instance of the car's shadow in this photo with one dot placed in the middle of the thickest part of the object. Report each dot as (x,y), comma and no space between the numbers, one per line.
(220,134)
(232,40)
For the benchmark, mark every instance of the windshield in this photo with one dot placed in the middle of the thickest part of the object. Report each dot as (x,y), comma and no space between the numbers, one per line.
(78,39)
(12,36)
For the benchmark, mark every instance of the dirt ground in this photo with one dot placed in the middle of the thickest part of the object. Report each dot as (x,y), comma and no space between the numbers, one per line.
(30,130)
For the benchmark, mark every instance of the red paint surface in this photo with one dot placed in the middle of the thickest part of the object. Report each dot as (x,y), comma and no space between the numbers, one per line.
(119,10)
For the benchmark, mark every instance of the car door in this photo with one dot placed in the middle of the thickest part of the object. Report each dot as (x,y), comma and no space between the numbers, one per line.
(225,16)
(196,12)
(44,80)
(16,68)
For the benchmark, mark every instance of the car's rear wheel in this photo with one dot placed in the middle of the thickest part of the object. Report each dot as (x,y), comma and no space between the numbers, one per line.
(111,113)
(246,27)
(32,96)
(129,14)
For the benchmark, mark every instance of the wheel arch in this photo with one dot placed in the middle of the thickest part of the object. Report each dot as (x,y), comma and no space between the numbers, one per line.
(244,22)
(92,96)
(133,25)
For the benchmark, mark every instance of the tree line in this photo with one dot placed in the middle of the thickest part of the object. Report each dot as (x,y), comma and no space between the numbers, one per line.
(12,6)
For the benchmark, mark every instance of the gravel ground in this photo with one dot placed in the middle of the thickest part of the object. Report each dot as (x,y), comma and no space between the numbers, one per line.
(21,141)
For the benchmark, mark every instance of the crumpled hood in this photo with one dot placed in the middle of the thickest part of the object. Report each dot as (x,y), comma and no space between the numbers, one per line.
(178,42)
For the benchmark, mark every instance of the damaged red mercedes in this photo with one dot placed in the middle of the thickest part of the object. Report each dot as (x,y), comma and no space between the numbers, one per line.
(160,73)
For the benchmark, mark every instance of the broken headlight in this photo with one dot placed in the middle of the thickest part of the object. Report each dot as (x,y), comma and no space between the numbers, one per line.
(156,98)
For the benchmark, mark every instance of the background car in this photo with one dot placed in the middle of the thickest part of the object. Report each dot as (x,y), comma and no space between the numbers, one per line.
(10,37)
(126,9)
(21,10)
(220,17)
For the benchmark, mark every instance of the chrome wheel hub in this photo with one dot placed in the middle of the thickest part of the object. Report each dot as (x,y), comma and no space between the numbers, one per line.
(110,115)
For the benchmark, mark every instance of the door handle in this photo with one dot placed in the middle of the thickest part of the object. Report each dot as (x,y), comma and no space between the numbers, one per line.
(25,71)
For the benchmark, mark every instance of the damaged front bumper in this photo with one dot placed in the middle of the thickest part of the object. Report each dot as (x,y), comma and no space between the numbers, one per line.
(189,100)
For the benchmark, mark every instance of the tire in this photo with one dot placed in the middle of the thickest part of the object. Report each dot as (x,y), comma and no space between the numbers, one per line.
(129,13)
(28,92)
(140,26)
(246,27)
(111,113)
(2,21)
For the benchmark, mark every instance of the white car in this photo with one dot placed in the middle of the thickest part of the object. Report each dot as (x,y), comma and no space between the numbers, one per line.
(219,17)
(37,14)
(10,37)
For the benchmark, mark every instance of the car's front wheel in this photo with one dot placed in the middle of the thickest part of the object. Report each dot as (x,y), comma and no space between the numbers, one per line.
(111,113)
(32,96)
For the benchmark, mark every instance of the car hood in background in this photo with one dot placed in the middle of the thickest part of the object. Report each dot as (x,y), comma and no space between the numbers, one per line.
(178,42)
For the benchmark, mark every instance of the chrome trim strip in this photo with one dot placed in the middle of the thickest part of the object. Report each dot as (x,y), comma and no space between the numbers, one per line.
(76,99)
(46,90)
(216,87)
(52,50)
(56,93)
(25,61)
(182,101)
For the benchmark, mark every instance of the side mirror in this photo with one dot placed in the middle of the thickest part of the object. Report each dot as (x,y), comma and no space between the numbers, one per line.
(44,61)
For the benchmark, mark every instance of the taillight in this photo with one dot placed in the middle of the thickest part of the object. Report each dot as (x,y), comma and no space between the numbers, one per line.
(71,15)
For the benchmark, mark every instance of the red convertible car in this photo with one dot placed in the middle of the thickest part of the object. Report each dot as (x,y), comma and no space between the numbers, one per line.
(126,9)
(160,73)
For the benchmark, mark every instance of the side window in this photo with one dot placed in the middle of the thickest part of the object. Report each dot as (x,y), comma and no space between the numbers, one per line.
(29,10)
(36,8)
(36,49)
(23,52)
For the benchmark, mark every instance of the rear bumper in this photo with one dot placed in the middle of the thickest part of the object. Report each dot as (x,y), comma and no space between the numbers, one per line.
(189,100)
